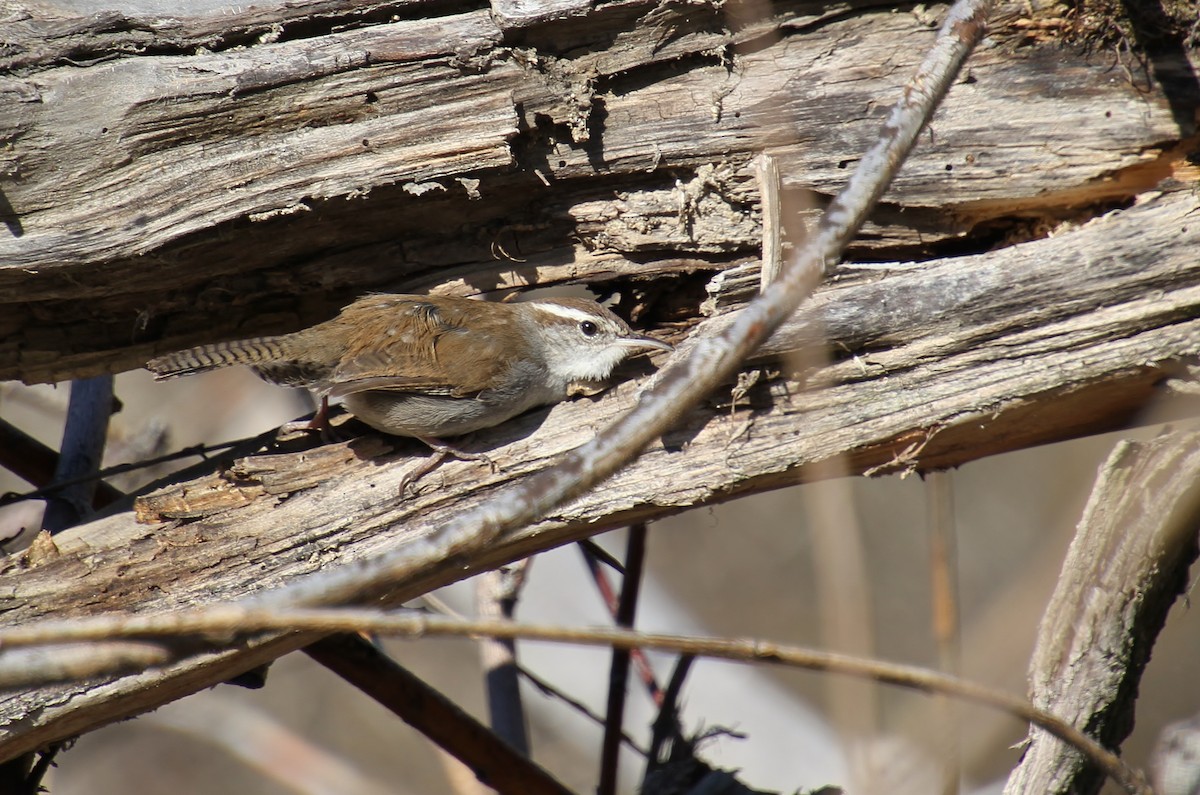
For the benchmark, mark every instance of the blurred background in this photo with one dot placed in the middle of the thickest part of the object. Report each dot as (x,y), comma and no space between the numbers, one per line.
(756,567)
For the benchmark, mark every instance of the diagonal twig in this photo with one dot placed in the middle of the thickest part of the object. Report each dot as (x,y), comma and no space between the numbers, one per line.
(667,726)
(612,602)
(494,762)
(689,378)
(34,462)
(546,688)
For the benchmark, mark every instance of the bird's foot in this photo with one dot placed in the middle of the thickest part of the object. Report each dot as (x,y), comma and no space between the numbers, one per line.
(318,423)
(441,451)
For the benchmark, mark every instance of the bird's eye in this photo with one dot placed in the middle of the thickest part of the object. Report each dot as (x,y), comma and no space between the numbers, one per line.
(588,328)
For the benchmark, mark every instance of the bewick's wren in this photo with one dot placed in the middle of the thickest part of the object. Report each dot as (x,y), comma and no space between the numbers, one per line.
(430,367)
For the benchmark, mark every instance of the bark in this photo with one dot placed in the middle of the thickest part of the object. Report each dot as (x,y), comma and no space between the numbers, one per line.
(175,181)
(170,181)
(1127,565)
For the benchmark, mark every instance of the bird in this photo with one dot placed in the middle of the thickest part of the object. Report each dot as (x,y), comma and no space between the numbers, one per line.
(432,367)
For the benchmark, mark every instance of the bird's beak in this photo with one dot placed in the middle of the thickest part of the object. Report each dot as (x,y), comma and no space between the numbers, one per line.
(643,342)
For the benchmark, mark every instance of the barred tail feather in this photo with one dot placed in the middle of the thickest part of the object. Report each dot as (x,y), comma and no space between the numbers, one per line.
(203,358)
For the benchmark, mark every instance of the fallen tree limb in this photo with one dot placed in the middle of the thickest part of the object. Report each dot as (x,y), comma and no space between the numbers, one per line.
(962,363)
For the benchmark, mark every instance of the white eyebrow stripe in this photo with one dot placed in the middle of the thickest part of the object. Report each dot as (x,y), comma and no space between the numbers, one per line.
(568,312)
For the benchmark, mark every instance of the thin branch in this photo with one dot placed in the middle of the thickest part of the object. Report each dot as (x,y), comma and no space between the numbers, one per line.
(34,462)
(439,607)
(618,676)
(944,596)
(45,760)
(16,444)
(612,602)
(667,725)
(84,436)
(493,761)
(496,594)
(552,691)
(592,550)
(222,623)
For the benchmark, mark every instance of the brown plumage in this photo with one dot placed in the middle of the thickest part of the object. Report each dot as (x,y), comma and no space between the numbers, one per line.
(435,366)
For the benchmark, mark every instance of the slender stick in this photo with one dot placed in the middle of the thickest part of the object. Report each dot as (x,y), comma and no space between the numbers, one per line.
(496,594)
(493,761)
(32,461)
(612,602)
(225,622)
(439,607)
(667,725)
(618,676)
(82,449)
(551,691)
(944,596)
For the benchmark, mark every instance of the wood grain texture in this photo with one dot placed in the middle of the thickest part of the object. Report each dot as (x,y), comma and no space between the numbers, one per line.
(173,181)
(1127,565)
(937,366)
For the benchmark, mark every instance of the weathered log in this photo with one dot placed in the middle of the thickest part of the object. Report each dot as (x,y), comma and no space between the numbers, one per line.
(174,181)
(959,359)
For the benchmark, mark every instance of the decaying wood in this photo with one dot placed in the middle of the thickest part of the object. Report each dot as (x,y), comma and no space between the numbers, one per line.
(1127,565)
(949,363)
(174,181)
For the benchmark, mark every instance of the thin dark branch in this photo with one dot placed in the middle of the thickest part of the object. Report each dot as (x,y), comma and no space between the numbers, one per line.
(618,676)
(667,726)
(83,443)
(34,462)
(612,602)
(592,550)
(106,494)
(268,440)
(493,761)
(438,607)
(551,691)
(45,760)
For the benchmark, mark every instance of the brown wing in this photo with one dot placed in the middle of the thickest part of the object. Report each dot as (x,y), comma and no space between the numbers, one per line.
(411,344)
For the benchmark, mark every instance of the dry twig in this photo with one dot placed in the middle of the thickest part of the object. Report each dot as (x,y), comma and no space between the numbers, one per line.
(224,623)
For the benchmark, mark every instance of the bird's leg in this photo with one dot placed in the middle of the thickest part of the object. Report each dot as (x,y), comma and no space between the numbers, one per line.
(320,420)
(441,451)
(318,423)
